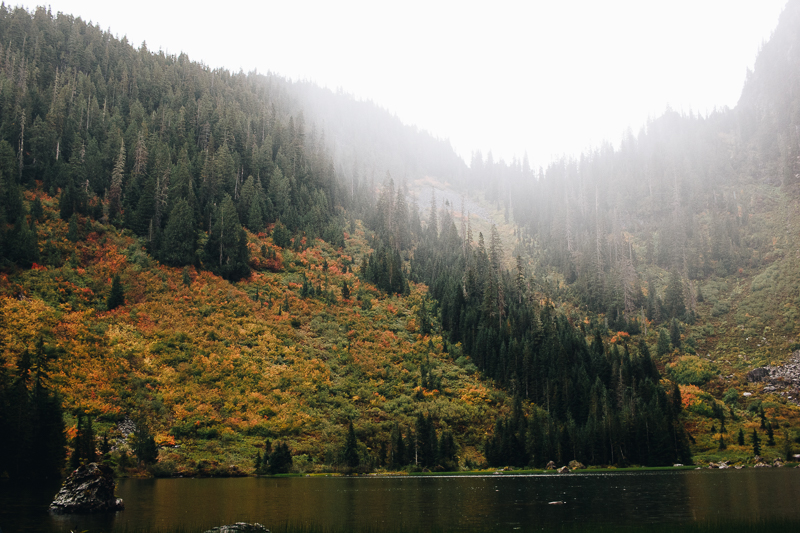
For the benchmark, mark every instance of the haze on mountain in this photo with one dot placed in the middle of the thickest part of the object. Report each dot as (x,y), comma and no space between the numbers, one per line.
(231,258)
(546,78)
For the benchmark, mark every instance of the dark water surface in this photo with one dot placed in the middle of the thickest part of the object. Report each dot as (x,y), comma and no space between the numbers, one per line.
(461,503)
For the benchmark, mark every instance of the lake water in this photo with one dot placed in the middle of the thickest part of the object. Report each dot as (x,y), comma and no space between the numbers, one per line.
(458,503)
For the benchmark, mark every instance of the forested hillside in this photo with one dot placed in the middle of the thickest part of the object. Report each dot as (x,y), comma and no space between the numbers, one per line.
(684,236)
(214,273)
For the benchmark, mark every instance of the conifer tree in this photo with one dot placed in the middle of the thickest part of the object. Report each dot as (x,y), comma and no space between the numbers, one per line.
(756,443)
(226,252)
(350,452)
(144,445)
(72,229)
(117,296)
(179,242)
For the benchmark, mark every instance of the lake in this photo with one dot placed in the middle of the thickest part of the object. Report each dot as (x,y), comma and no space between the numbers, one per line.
(455,503)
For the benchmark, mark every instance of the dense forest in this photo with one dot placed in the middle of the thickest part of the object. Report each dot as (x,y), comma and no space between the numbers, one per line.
(238,265)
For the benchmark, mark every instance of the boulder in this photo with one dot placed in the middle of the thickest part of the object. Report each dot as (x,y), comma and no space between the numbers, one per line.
(551,466)
(761,465)
(89,489)
(757,374)
(239,527)
(576,465)
(563,470)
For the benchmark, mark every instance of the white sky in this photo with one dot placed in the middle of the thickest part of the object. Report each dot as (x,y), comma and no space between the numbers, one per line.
(548,78)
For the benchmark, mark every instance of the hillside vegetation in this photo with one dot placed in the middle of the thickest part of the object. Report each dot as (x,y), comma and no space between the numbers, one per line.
(193,282)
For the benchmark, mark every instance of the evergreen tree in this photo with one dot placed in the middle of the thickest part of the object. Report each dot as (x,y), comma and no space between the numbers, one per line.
(144,445)
(226,252)
(673,297)
(740,437)
(350,452)
(281,236)
(179,243)
(675,333)
(257,462)
(663,346)
(280,460)
(756,443)
(117,296)
(72,230)
(345,290)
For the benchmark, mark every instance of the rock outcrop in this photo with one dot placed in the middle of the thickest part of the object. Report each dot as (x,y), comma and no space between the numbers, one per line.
(239,527)
(784,379)
(576,465)
(89,489)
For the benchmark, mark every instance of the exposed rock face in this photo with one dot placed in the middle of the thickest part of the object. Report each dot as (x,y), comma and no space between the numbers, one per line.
(783,379)
(239,527)
(757,374)
(89,489)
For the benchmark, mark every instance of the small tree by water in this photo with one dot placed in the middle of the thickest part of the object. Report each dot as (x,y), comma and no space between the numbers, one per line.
(756,443)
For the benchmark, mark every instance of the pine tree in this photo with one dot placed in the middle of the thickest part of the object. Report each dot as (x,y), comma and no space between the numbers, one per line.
(117,296)
(226,252)
(350,453)
(675,333)
(257,462)
(345,290)
(673,296)
(144,445)
(280,460)
(740,438)
(770,435)
(179,241)
(72,230)
(662,347)
(756,443)
(115,192)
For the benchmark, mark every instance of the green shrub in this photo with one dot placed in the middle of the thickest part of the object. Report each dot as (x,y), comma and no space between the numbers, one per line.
(691,370)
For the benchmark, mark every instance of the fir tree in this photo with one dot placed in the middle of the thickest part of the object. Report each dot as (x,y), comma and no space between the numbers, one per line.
(345,290)
(756,443)
(144,445)
(179,242)
(350,452)
(116,297)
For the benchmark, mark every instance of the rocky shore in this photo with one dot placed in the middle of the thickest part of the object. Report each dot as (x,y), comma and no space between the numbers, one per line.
(89,489)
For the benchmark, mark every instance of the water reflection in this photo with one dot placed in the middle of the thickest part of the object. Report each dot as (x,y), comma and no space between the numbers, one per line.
(456,503)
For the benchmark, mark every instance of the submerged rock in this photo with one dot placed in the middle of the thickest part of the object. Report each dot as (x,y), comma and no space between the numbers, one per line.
(239,527)
(89,489)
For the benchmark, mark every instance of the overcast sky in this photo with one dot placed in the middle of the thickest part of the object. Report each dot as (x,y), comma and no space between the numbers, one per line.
(549,78)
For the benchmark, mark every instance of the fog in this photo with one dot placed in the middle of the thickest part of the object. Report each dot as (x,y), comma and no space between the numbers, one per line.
(544,78)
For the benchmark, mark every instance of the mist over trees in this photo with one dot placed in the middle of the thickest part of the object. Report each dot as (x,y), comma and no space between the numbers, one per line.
(597,249)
